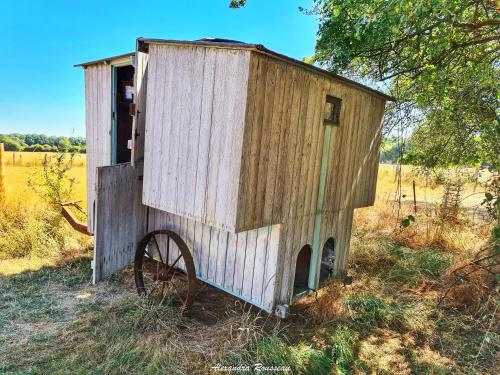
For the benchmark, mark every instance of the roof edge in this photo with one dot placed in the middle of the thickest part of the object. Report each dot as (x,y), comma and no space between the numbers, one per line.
(143,42)
(104,60)
(322,71)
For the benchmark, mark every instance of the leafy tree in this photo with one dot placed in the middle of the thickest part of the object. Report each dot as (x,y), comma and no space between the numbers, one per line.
(439,57)
(237,3)
(389,150)
(77,141)
(53,183)
(63,144)
(10,144)
(42,142)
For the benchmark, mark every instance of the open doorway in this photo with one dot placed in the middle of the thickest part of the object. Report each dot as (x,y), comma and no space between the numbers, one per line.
(302,267)
(123,95)
(327,261)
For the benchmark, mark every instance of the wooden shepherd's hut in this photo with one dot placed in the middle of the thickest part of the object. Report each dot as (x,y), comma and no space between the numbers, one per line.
(256,160)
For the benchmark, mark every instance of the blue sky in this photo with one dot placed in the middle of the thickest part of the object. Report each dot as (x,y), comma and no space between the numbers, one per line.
(43,93)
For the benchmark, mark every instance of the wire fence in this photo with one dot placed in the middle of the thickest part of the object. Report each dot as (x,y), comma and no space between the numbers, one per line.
(36,159)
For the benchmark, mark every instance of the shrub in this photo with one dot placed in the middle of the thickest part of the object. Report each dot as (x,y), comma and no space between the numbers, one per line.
(53,183)
(10,144)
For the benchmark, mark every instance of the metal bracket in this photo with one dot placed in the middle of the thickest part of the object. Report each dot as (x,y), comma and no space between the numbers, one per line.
(282,311)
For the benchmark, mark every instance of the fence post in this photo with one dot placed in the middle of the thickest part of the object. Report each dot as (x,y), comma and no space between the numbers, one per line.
(14,159)
(2,182)
(414,198)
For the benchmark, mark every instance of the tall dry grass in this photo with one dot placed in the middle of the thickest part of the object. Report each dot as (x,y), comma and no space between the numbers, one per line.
(30,225)
(36,159)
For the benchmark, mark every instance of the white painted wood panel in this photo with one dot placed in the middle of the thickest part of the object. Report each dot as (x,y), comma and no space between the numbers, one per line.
(194,131)
(219,256)
(98,128)
(139,120)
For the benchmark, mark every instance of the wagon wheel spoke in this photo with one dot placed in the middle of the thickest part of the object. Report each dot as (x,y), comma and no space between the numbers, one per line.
(172,267)
(174,289)
(145,273)
(156,277)
(168,248)
(158,249)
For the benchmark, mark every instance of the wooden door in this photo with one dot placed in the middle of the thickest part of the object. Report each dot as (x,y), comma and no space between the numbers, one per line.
(120,220)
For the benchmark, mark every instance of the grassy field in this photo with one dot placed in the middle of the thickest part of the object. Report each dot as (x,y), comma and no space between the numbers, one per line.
(388,321)
(21,165)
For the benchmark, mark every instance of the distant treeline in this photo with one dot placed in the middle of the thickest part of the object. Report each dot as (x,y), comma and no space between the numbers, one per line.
(42,142)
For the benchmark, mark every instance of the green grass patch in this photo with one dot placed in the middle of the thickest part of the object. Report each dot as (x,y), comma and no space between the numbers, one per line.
(276,351)
(411,266)
(370,311)
(343,343)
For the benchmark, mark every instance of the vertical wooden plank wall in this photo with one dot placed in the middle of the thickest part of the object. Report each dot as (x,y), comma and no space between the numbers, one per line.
(98,128)
(233,143)
(120,218)
(283,139)
(196,100)
(281,159)
(243,264)
(139,121)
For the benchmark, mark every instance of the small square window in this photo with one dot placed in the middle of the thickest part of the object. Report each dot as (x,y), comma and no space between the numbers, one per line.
(332,111)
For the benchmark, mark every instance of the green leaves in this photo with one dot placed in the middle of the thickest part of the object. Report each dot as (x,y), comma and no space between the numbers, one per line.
(437,56)
(405,223)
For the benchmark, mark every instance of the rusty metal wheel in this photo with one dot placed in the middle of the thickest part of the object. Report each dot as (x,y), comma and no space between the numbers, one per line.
(164,268)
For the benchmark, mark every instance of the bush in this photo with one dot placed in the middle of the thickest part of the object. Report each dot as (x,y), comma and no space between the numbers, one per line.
(10,144)
(53,183)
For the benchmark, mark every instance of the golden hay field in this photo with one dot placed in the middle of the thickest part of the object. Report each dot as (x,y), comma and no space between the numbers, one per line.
(19,166)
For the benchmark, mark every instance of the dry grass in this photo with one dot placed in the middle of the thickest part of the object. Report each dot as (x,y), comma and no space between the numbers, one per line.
(29,227)
(16,176)
(35,159)
(387,322)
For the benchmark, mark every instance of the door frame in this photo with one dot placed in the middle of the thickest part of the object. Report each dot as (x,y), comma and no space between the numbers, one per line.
(318,213)
(125,61)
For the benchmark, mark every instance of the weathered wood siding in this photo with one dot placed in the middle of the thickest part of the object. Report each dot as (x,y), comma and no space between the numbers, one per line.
(233,143)
(243,264)
(120,218)
(139,121)
(282,156)
(194,131)
(336,225)
(283,141)
(98,128)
